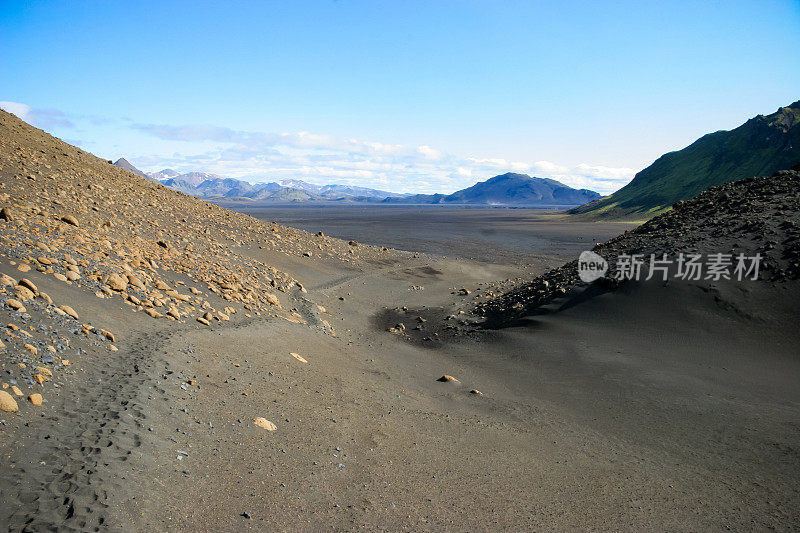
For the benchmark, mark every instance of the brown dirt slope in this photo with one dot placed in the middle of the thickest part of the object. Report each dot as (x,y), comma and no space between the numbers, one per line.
(96,227)
(81,239)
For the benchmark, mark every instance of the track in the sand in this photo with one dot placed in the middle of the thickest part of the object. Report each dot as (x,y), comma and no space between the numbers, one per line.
(63,474)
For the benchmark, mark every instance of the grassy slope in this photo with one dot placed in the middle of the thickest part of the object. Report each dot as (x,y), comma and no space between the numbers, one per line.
(759,147)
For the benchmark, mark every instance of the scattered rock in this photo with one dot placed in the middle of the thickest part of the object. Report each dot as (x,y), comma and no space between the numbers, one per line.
(260,422)
(16,305)
(153,313)
(25,282)
(24,293)
(298,357)
(69,219)
(117,282)
(476,391)
(8,403)
(35,398)
(69,311)
(447,378)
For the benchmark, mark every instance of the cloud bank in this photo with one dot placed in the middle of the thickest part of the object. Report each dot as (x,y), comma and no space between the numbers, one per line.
(264,156)
(261,156)
(41,118)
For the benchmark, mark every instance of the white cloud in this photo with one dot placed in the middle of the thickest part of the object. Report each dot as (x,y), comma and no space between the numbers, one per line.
(16,108)
(546,167)
(430,153)
(41,118)
(488,162)
(318,158)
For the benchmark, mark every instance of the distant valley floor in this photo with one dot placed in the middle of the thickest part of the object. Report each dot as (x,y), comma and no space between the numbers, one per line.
(504,236)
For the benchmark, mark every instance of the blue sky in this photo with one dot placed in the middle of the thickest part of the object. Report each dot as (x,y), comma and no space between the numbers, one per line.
(407,96)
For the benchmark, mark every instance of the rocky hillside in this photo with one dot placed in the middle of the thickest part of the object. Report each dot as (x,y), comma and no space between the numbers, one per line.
(752,216)
(99,235)
(759,147)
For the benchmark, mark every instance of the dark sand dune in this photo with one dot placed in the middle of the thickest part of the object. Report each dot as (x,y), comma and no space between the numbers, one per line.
(648,407)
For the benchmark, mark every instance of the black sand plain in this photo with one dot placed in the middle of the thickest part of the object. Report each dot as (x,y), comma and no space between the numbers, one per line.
(492,235)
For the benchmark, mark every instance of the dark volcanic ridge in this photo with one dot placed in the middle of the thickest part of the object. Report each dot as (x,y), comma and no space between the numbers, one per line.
(752,216)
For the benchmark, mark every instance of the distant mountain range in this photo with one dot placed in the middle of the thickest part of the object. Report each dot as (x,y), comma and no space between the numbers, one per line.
(513,190)
(759,147)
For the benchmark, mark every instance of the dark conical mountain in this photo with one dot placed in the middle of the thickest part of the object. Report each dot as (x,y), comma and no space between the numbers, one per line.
(521,189)
(509,189)
(124,164)
(759,147)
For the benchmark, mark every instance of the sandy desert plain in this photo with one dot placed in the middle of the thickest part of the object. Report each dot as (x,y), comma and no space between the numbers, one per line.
(655,406)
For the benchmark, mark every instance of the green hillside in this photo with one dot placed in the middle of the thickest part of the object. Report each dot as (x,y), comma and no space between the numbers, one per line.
(759,147)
